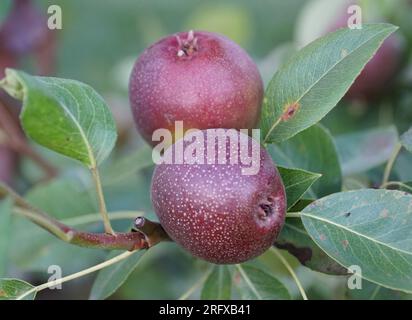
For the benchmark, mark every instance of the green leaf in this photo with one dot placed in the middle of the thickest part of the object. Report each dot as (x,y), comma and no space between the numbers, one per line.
(110,279)
(218,285)
(402,166)
(296,182)
(11,289)
(6,207)
(260,285)
(66,116)
(314,150)
(57,196)
(368,228)
(365,150)
(33,248)
(128,165)
(301,204)
(298,243)
(372,291)
(406,140)
(313,81)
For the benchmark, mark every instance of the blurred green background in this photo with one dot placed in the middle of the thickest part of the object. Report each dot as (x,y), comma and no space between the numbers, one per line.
(101,38)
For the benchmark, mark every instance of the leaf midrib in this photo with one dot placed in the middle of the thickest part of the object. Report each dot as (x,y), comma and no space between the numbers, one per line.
(356,233)
(77,124)
(310,178)
(249,283)
(104,284)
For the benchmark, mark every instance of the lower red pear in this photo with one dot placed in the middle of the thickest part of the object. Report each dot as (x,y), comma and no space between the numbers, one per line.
(215,211)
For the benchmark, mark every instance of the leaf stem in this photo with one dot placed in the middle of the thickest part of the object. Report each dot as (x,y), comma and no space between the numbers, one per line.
(293,215)
(391,162)
(396,184)
(76,275)
(291,271)
(122,241)
(102,204)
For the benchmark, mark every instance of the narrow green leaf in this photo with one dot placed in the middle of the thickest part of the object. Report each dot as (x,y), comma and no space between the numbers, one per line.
(313,81)
(368,228)
(66,116)
(260,285)
(298,243)
(10,289)
(296,182)
(110,279)
(6,207)
(365,150)
(406,140)
(128,165)
(56,197)
(301,204)
(34,249)
(218,285)
(314,150)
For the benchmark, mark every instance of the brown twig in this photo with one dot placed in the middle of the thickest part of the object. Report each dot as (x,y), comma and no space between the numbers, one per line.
(102,204)
(153,230)
(18,143)
(121,241)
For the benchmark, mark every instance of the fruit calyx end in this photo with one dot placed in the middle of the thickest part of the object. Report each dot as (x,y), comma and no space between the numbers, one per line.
(266,208)
(188,46)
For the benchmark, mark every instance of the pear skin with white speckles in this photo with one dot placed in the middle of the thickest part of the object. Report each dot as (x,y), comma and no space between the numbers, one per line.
(217,213)
(201,78)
